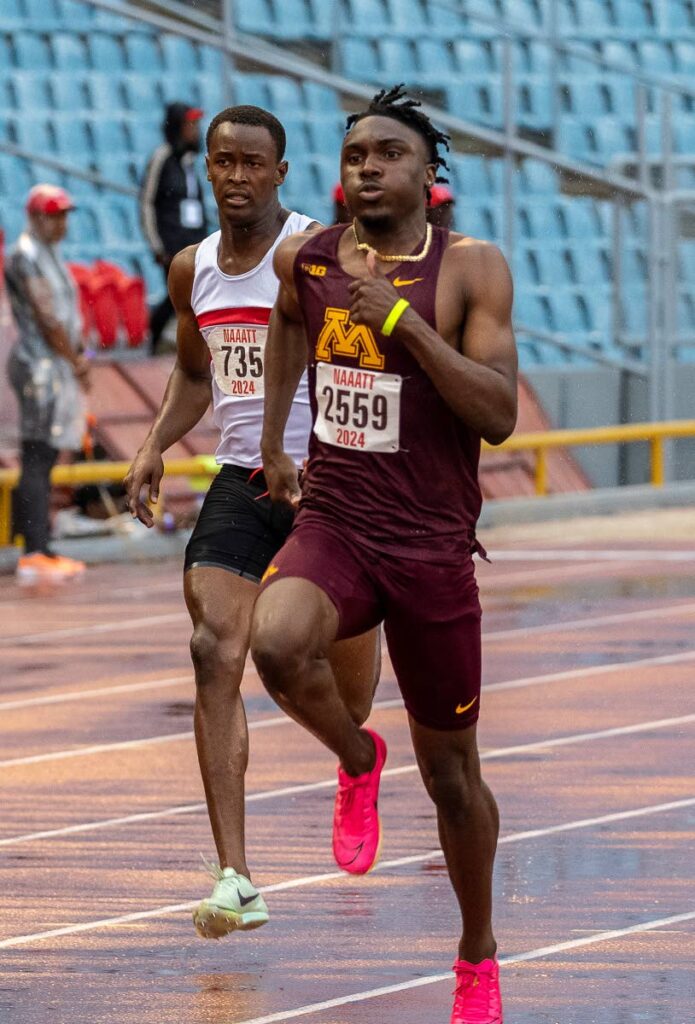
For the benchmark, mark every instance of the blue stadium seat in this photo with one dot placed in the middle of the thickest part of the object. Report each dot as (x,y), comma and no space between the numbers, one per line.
(119,168)
(594,17)
(610,138)
(13,15)
(31,90)
(325,18)
(685,312)
(32,51)
(291,20)
(35,133)
(143,53)
(397,59)
(634,309)
(620,52)
(320,99)
(635,17)
(253,16)
(470,177)
(179,53)
(285,95)
(104,92)
(532,310)
(214,94)
(684,53)
(369,17)
(480,220)
(83,226)
(591,264)
(434,61)
(16,178)
(8,101)
(142,92)
(358,58)
(250,90)
(211,61)
(657,56)
(472,57)
(69,92)
(540,220)
(537,178)
(106,53)
(684,135)
(533,104)
(44,13)
(69,52)
(74,140)
(76,15)
(326,135)
(112,135)
(581,218)
(479,101)
(12,221)
(408,17)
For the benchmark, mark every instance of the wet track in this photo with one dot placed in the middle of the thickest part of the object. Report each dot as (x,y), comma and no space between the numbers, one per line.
(587,730)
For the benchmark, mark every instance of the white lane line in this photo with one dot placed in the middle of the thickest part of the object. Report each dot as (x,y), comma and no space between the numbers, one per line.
(512,684)
(103,627)
(309,787)
(105,691)
(331,876)
(593,555)
(533,954)
(598,620)
(661,612)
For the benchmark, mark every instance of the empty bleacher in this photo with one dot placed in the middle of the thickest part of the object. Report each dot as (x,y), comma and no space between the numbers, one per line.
(87,87)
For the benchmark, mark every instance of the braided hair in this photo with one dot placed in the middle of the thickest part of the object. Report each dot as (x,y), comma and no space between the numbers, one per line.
(395,103)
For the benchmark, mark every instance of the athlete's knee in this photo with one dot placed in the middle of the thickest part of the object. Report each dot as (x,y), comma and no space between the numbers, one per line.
(216,655)
(453,783)
(280,655)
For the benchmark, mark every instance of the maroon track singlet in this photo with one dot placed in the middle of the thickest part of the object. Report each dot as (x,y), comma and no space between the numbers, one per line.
(389,462)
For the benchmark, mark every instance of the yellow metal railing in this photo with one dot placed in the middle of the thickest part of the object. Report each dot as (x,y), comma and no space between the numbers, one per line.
(540,443)
(93,473)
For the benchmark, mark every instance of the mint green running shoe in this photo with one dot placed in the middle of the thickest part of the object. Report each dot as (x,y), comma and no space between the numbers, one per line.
(235,905)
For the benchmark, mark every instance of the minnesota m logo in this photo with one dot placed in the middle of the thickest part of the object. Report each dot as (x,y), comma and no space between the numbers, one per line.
(341,337)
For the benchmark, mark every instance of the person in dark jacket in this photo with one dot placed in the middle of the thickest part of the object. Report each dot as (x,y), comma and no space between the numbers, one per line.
(171,198)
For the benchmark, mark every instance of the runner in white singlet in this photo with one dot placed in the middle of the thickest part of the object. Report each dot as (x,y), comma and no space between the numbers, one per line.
(223,290)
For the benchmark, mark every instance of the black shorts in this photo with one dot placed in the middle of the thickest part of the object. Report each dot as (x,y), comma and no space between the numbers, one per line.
(239,528)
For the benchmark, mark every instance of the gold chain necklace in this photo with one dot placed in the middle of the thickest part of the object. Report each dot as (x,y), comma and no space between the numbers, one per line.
(366,247)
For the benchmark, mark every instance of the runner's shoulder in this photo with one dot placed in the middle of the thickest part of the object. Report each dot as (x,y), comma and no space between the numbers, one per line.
(286,252)
(181,274)
(472,256)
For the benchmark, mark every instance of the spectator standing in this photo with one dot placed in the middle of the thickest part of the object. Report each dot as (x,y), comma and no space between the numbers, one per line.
(47,370)
(171,199)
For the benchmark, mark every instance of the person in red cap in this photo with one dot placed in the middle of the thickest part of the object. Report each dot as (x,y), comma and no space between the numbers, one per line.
(47,370)
(440,208)
(171,199)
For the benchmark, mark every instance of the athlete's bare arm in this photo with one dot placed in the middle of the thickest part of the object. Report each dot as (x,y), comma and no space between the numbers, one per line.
(187,394)
(472,360)
(285,361)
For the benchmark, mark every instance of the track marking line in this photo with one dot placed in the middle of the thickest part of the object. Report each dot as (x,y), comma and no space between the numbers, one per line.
(330,876)
(103,627)
(505,634)
(591,555)
(533,954)
(309,787)
(60,698)
(512,684)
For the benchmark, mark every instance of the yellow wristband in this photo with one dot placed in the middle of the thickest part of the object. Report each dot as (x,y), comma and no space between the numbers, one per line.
(394,316)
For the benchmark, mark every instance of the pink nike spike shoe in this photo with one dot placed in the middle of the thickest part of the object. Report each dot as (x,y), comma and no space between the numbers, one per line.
(356,825)
(477,997)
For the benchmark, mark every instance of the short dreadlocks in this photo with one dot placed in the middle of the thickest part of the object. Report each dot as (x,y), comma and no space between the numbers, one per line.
(394,103)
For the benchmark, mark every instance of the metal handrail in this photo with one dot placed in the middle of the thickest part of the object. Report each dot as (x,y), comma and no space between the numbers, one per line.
(543,441)
(540,443)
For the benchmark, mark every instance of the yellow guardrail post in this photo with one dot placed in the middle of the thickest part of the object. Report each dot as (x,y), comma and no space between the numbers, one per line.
(657,461)
(541,475)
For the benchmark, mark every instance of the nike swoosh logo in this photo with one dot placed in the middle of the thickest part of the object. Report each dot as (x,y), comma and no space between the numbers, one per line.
(398,283)
(460,710)
(245,900)
(358,851)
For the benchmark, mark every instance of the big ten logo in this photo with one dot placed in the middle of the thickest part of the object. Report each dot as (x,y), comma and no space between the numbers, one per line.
(340,337)
(315,269)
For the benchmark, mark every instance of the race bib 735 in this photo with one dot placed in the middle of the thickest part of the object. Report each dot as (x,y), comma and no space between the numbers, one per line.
(237,354)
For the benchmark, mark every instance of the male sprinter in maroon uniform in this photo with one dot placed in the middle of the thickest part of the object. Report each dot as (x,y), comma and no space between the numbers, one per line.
(411,361)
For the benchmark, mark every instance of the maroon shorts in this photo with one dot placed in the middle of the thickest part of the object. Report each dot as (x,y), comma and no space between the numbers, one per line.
(431,615)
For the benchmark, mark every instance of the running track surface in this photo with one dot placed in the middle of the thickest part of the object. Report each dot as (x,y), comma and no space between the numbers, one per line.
(587,733)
